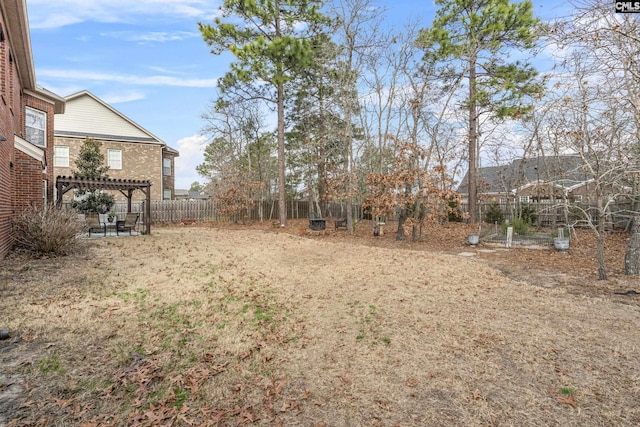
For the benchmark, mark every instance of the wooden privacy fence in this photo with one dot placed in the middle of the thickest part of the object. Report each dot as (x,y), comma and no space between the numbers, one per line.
(175,211)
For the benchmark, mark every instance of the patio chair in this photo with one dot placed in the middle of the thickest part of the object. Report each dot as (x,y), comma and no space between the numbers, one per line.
(340,223)
(93,224)
(129,223)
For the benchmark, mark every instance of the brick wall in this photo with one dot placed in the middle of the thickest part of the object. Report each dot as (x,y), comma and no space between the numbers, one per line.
(47,173)
(21,176)
(28,181)
(139,161)
(10,120)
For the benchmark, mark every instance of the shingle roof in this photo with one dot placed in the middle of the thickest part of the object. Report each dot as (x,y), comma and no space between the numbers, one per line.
(565,170)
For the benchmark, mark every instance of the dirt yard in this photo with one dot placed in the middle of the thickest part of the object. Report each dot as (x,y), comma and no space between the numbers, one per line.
(235,325)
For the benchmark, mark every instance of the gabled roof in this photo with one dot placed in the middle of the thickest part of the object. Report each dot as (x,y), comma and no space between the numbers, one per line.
(566,171)
(86,115)
(48,96)
(172,151)
(30,150)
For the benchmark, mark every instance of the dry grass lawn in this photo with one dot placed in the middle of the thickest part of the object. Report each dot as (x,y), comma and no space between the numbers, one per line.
(219,326)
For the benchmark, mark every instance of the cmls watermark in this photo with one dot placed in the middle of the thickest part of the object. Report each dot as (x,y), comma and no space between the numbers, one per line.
(628,7)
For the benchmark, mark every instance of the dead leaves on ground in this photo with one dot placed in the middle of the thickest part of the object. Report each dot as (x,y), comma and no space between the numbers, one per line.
(568,400)
(160,399)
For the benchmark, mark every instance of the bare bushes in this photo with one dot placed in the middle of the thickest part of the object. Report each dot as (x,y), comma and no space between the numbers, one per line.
(50,231)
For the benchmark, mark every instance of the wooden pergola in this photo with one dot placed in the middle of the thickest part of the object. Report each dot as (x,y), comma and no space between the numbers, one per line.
(125,186)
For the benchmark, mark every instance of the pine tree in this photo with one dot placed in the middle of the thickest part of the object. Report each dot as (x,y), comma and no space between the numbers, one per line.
(473,38)
(270,48)
(90,165)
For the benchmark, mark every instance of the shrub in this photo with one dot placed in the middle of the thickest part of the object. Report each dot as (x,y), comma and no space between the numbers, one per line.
(93,202)
(520,226)
(50,231)
(494,214)
(528,214)
(454,212)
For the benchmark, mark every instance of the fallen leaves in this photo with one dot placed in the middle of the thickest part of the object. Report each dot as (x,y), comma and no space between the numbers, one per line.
(568,400)
(411,382)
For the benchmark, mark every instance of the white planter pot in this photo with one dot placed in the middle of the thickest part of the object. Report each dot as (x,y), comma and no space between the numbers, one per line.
(561,243)
(474,239)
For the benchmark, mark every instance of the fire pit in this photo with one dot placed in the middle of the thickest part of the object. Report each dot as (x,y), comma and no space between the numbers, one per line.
(317,224)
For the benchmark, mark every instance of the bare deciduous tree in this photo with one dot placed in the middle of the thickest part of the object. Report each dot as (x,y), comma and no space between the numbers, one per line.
(600,112)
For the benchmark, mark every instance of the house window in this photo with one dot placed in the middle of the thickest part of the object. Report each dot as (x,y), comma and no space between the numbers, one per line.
(525,199)
(114,159)
(503,200)
(577,198)
(167,194)
(166,167)
(36,125)
(61,156)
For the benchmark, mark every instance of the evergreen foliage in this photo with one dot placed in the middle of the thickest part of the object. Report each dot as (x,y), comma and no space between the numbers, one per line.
(270,48)
(90,164)
(472,39)
(494,214)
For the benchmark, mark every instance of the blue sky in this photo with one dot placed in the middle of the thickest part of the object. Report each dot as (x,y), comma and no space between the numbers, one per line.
(146,59)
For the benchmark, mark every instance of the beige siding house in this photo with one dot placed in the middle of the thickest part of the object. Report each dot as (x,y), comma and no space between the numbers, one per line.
(130,151)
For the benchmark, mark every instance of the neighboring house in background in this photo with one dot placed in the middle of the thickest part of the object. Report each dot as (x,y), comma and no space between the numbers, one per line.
(130,151)
(26,124)
(540,180)
(191,195)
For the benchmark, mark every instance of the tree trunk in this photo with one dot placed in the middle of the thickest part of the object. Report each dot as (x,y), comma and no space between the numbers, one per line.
(282,192)
(602,269)
(348,154)
(473,144)
(282,195)
(401,218)
(600,236)
(632,257)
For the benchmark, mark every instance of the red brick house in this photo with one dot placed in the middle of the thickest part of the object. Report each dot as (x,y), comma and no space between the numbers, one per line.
(26,124)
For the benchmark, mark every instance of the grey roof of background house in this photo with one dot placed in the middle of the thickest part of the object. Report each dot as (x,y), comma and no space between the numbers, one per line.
(565,170)
(188,194)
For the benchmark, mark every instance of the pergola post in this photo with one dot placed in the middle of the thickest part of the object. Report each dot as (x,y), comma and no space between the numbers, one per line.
(148,209)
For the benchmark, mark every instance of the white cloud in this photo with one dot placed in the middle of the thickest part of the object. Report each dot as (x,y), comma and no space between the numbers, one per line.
(59,13)
(162,70)
(54,20)
(152,37)
(191,150)
(119,98)
(126,79)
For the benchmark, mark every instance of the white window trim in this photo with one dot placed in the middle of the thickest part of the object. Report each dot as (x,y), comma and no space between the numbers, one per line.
(164,167)
(113,150)
(57,157)
(44,128)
